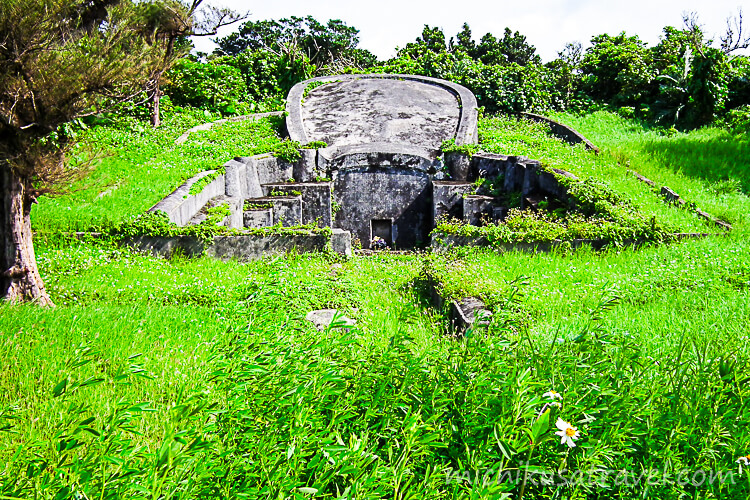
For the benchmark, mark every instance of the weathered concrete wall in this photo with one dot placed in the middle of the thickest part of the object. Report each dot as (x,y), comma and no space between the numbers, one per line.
(521,174)
(384,154)
(401,195)
(478,209)
(233,220)
(306,168)
(448,198)
(242,247)
(262,217)
(180,206)
(268,168)
(459,166)
(236,179)
(568,134)
(316,199)
(287,210)
(252,247)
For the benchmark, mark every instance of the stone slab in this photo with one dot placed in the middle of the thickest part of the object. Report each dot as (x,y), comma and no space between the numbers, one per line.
(448,199)
(316,199)
(467,314)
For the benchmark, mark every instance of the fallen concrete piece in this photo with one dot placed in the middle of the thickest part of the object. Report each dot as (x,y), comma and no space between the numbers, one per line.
(323,318)
(468,313)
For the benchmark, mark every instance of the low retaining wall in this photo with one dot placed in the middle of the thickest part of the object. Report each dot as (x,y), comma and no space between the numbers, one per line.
(243,246)
(180,206)
(673,198)
(568,134)
(444,242)
(463,314)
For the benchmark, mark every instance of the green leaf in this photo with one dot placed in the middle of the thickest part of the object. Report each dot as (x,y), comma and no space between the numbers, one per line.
(540,426)
(60,388)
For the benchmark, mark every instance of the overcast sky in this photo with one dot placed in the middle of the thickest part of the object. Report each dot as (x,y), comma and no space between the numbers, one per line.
(548,24)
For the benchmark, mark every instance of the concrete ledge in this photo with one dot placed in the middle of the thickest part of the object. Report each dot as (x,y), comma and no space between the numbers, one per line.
(180,206)
(378,155)
(242,246)
(463,314)
(448,241)
(671,197)
(568,134)
(468,313)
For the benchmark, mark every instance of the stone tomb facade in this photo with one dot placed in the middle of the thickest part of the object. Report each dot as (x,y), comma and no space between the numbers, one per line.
(381,173)
(383,135)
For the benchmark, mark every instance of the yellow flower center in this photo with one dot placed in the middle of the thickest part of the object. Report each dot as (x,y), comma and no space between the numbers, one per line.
(570,431)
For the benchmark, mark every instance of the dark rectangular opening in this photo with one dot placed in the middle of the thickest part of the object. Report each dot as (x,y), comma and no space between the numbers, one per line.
(383,229)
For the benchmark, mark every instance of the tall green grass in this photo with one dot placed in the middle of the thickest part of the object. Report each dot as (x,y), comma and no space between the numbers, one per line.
(709,166)
(200,379)
(196,378)
(506,135)
(139,165)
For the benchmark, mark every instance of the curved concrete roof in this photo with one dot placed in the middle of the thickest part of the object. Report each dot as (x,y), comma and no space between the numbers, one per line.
(347,111)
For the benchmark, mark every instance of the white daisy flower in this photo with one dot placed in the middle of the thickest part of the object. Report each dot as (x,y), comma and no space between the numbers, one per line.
(552,395)
(567,432)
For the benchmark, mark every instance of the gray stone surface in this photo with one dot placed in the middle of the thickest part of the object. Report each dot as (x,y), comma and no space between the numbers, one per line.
(458,166)
(468,313)
(341,242)
(669,195)
(323,318)
(448,198)
(306,169)
(381,154)
(268,168)
(166,247)
(233,220)
(180,206)
(235,179)
(399,195)
(562,131)
(287,210)
(252,246)
(257,218)
(548,183)
(478,209)
(360,109)
(316,199)
(253,181)
(515,171)
(243,247)
(489,165)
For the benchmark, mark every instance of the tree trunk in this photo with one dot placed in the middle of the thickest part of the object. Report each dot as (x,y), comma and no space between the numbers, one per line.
(155,98)
(19,277)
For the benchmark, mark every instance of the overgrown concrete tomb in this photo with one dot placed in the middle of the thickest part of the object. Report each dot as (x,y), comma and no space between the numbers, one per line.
(383,135)
(371,163)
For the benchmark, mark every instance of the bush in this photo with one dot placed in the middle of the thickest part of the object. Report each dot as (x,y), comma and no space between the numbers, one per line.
(216,87)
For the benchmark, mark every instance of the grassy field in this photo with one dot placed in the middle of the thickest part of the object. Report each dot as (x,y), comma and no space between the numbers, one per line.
(197,378)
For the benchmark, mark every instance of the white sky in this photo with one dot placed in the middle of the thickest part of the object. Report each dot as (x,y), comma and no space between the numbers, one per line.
(547,24)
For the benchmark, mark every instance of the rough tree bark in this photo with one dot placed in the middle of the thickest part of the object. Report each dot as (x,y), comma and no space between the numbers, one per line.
(20,280)
(155,99)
